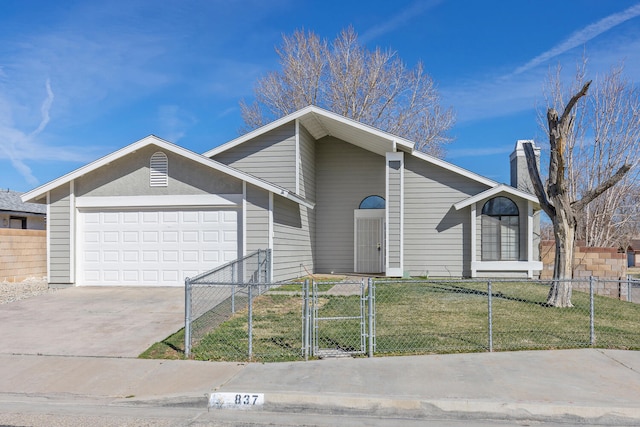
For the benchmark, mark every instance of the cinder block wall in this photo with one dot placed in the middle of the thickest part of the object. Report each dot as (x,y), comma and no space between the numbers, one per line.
(23,254)
(603,263)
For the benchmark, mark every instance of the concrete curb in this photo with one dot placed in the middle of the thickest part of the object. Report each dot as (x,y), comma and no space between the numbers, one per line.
(408,408)
(421,408)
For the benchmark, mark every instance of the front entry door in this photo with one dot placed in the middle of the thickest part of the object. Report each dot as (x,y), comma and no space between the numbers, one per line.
(369,240)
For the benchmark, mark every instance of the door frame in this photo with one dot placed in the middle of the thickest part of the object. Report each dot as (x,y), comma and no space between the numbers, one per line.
(370,214)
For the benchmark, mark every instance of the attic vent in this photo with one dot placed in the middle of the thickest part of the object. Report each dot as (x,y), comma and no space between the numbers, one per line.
(159,171)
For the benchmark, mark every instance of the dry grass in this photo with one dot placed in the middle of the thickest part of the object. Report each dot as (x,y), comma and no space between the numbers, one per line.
(424,317)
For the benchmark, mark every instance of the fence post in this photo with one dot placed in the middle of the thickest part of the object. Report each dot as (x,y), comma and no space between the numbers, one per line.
(187,317)
(250,321)
(592,334)
(305,319)
(629,288)
(490,314)
(233,289)
(268,267)
(259,266)
(370,297)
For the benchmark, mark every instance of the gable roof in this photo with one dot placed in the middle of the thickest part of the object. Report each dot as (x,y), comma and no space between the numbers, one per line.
(500,188)
(39,192)
(320,123)
(10,201)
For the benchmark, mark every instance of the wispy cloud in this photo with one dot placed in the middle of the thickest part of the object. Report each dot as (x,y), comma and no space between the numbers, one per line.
(398,20)
(502,95)
(174,122)
(581,37)
(14,144)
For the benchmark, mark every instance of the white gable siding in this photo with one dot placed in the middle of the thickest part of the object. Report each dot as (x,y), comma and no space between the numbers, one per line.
(436,236)
(345,174)
(270,156)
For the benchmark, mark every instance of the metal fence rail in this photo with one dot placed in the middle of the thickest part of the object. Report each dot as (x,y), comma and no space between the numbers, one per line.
(213,297)
(304,320)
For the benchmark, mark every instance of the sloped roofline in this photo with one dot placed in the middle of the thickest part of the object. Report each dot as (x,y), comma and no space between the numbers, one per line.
(500,188)
(395,142)
(39,192)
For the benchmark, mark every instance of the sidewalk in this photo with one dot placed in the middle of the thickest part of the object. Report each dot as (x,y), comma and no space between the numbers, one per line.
(582,384)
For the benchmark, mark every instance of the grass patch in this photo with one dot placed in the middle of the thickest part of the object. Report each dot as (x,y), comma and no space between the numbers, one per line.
(417,318)
(171,347)
(298,286)
(276,332)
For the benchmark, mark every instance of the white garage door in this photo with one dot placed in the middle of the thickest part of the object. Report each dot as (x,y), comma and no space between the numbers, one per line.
(154,246)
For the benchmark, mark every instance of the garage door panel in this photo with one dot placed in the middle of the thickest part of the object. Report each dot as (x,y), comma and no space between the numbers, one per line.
(110,256)
(154,247)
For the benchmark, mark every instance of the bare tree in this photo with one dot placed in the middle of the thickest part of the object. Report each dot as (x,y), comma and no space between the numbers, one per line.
(373,87)
(593,154)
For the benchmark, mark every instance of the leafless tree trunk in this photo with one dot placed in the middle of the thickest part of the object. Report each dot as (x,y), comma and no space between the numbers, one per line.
(373,87)
(585,164)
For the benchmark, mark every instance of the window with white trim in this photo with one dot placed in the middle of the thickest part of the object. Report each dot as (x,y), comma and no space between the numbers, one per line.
(500,230)
(159,170)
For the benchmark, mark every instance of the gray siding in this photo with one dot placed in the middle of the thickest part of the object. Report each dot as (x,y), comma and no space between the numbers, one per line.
(59,232)
(292,248)
(345,174)
(257,221)
(394,212)
(129,176)
(307,165)
(308,185)
(436,236)
(271,156)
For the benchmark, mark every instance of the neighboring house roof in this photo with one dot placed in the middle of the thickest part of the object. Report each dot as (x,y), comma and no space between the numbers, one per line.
(10,201)
(40,192)
(321,123)
(500,188)
(634,245)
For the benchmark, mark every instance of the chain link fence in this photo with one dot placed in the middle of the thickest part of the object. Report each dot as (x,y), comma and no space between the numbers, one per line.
(302,320)
(216,296)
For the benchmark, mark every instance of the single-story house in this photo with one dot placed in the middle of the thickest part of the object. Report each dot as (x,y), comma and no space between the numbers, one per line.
(325,193)
(14,213)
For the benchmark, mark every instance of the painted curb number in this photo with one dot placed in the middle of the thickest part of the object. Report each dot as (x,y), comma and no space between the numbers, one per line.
(235,400)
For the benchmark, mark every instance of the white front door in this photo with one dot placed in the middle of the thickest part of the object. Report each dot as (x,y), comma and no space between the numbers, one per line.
(154,246)
(369,240)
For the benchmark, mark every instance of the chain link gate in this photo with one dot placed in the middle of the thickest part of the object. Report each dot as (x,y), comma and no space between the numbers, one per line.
(338,319)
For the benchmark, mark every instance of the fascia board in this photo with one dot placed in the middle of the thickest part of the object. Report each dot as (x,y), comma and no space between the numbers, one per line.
(453,168)
(165,145)
(501,188)
(105,160)
(319,113)
(257,132)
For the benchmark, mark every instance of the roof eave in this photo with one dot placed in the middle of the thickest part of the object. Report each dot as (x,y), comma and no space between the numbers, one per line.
(500,188)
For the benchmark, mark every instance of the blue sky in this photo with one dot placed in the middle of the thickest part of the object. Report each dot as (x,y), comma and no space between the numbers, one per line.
(80,79)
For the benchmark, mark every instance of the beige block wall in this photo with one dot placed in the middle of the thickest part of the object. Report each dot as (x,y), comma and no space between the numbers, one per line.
(23,254)
(606,264)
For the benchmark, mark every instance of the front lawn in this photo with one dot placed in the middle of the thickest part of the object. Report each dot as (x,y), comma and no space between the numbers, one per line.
(418,318)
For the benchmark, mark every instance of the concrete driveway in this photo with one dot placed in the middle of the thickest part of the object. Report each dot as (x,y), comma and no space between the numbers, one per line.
(91,321)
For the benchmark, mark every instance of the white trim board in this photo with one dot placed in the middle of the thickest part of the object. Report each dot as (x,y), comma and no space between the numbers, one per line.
(204,200)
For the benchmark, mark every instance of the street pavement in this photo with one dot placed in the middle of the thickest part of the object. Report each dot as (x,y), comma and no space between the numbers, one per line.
(582,386)
(75,351)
